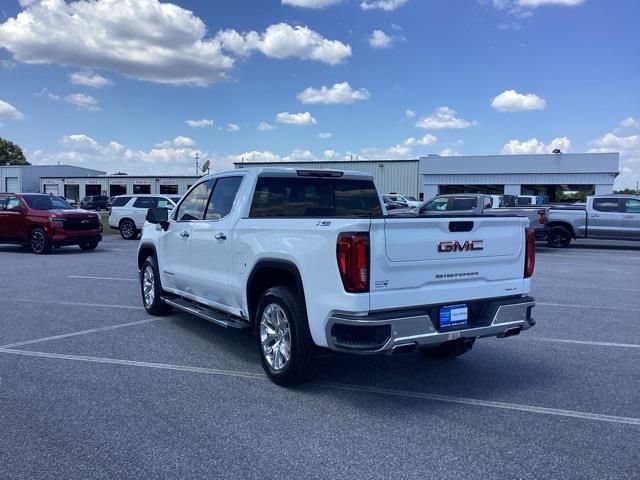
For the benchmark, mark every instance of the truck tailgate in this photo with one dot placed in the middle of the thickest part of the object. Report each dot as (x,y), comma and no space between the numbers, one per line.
(433,260)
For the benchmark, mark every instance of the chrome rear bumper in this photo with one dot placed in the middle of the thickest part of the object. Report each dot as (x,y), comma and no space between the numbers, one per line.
(382,332)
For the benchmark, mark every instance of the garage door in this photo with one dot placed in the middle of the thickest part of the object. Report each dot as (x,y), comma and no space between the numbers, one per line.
(52,189)
(12,185)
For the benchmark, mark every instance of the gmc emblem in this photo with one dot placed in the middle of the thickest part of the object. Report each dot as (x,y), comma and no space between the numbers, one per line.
(467,246)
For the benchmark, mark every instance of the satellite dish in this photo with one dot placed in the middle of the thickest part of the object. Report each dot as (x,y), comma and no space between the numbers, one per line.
(205,166)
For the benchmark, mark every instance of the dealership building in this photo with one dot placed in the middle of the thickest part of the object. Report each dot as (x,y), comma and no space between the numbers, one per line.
(548,174)
(426,177)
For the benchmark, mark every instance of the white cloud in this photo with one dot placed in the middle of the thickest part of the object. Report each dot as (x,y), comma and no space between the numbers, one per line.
(523,8)
(410,113)
(629,149)
(89,79)
(443,117)
(428,139)
(325,135)
(48,94)
(330,155)
(232,127)
(143,39)
(296,118)
(79,141)
(339,93)
(203,123)
(311,3)
(535,146)
(9,112)
(540,3)
(449,152)
(630,122)
(285,41)
(379,39)
(83,101)
(7,64)
(512,101)
(386,5)
(266,127)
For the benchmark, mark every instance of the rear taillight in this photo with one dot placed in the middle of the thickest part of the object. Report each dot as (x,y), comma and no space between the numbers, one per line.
(542,217)
(353,261)
(530,252)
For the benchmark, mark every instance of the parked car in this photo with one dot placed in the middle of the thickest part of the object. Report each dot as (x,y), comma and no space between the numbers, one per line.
(615,217)
(391,205)
(128,212)
(70,201)
(481,204)
(95,202)
(410,202)
(42,222)
(307,260)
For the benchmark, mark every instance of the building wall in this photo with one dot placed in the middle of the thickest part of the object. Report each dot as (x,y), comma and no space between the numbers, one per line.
(398,176)
(102,184)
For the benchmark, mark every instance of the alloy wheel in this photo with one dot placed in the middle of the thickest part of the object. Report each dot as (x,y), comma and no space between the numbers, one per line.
(148,286)
(37,241)
(275,337)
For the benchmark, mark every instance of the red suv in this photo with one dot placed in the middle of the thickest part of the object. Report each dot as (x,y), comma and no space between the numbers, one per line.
(45,221)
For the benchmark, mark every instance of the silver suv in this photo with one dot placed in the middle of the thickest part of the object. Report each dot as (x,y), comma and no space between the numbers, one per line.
(129,212)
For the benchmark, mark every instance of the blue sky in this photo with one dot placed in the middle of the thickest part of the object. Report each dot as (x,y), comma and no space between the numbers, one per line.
(113,84)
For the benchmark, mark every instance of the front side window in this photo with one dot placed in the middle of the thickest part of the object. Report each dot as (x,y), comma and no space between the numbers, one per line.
(605,204)
(632,205)
(435,205)
(9,203)
(195,203)
(224,194)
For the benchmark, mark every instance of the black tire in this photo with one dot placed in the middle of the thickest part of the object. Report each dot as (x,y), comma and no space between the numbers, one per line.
(301,364)
(559,237)
(128,229)
(88,245)
(451,349)
(39,242)
(153,304)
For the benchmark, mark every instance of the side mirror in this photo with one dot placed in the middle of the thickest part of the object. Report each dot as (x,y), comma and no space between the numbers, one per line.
(158,216)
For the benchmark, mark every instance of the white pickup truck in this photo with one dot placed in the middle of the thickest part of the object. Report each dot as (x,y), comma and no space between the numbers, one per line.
(308,260)
(612,217)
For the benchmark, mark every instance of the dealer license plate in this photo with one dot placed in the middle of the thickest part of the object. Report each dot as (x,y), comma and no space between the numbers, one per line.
(453,316)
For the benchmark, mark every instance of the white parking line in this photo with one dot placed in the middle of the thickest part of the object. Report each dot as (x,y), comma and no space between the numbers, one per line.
(83,332)
(344,387)
(582,342)
(74,304)
(590,307)
(87,277)
(564,285)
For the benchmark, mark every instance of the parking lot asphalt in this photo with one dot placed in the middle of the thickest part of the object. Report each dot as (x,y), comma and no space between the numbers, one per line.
(91,387)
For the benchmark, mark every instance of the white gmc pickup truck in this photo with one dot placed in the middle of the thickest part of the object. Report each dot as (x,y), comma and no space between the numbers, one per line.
(308,261)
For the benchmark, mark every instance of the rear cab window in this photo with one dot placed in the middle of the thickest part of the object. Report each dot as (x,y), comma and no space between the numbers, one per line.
(314,197)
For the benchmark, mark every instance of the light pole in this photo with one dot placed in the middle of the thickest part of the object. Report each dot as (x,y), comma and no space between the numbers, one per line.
(197,155)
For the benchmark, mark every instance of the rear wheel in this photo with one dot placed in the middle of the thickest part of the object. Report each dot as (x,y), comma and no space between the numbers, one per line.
(88,245)
(559,237)
(128,229)
(39,241)
(287,352)
(451,349)
(151,288)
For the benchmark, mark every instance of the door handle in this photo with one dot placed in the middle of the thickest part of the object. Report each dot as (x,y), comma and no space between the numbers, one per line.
(595,216)
(185,234)
(629,216)
(221,236)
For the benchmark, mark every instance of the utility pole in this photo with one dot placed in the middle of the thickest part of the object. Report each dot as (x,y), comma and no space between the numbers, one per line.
(197,166)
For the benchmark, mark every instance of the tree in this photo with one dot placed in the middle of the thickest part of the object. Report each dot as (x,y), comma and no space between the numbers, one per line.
(11,154)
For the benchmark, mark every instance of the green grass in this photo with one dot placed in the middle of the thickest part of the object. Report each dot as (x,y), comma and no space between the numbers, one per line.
(107,230)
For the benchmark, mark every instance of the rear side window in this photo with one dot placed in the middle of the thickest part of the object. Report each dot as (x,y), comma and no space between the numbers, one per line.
(314,197)
(145,202)
(605,204)
(194,204)
(120,201)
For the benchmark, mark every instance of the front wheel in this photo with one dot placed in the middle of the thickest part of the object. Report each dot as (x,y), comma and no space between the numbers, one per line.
(151,289)
(451,349)
(559,237)
(287,352)
(39,241)
(88,245)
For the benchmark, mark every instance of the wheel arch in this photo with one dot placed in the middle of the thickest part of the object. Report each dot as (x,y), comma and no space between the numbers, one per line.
(566,225)
(270,273)
(146,250)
